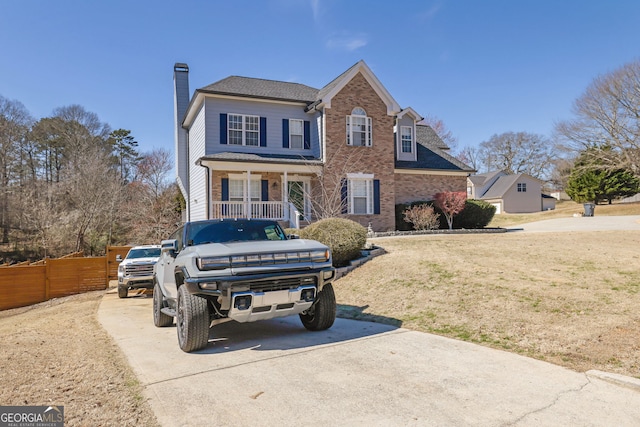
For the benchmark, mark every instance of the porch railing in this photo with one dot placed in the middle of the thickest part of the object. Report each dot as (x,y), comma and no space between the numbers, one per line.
(277,211)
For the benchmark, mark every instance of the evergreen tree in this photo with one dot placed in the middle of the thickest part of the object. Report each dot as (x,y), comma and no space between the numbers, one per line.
(124,151)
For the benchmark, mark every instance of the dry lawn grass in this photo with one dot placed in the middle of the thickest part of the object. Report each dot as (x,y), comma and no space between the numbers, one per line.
(56,353)
(568,298)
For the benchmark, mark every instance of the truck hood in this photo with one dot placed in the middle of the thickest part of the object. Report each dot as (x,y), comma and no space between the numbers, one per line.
(256,247)
(139,261)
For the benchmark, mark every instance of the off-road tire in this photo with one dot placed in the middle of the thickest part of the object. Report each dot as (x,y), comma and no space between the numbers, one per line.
(160,319)
(123,291)
(192,320)
(323,313)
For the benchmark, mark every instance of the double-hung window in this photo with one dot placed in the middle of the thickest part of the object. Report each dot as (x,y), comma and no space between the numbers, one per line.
(359,128)
(238,191)
(296,134)
(406,135)
(360,191)
(522,187)
(244,130)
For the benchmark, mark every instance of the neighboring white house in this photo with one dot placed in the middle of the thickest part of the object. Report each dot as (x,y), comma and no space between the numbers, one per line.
(519,193)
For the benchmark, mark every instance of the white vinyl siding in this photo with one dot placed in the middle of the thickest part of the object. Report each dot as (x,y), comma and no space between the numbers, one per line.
(197,175)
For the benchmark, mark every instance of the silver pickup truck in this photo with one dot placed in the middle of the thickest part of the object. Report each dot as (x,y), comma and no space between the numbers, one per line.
(238,269)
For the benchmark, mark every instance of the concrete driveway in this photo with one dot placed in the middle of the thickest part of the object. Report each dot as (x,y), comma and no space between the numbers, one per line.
(275,373)
(580,223)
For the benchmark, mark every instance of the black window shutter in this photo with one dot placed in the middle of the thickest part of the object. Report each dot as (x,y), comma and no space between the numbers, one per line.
(307,135)
(225,189)
(343,196)
(376,196)
(263,131)
(223,128)
(265,190)
(285,133)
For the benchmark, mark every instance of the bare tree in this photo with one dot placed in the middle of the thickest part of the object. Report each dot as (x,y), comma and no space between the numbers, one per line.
(327,194)
(518,152)
(470,155)
(89,187)
(15,121)
(608,114)
(153,170)
(442,131)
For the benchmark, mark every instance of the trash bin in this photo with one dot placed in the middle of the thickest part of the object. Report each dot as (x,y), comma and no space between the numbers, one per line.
(589,208)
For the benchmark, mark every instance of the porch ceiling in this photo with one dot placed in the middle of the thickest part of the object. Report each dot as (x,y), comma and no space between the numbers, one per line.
(264,163)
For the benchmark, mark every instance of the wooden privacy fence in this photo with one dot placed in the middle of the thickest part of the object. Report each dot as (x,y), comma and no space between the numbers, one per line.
(25,284)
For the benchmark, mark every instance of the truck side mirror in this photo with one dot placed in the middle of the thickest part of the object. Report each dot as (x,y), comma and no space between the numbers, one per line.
(169,246)
(118,258)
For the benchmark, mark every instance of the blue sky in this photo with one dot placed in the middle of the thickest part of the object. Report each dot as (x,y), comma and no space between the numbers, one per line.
(483,67)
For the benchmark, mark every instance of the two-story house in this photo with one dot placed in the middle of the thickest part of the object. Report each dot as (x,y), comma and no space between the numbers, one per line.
(248,147)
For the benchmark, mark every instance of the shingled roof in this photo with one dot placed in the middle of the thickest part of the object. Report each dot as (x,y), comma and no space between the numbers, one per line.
(262,158)
(430,154)
(261,88)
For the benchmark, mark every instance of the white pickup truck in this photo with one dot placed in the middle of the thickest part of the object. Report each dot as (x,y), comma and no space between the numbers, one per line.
(136,269)
(242,270)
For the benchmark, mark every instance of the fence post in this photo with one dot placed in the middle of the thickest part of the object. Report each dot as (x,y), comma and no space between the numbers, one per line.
(47,283)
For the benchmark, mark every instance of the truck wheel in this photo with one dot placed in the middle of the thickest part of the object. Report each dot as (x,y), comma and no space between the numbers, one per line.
(159,318)
(192,319)
(323,313)
(123,291)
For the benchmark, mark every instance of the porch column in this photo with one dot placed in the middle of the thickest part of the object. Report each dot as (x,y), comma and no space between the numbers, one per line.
(247,204)
(285,197)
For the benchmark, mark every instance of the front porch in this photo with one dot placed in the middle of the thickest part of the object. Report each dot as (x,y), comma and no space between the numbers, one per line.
(260,187)
(275,210)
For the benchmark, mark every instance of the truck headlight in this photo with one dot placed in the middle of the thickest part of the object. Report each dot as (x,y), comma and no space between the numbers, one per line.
(213,263)
(320,256)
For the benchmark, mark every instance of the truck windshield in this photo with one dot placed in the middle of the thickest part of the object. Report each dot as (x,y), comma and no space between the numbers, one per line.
(144,253)
(233,231)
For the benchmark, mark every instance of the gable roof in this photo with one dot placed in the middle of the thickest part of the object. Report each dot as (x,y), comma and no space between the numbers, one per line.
(481,179)
(499,188)
(261,88)
(330,90)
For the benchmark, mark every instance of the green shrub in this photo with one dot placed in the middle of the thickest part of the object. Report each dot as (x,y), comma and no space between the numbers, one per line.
(476,214)
(344,237)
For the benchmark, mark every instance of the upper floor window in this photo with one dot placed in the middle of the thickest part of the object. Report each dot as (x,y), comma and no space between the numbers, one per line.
(244,130)
(406,135)
(522,187)
(296,133)
(359,128)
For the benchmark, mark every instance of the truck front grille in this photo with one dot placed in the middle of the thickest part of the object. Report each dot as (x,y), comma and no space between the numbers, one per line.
(281,284)
(137,270)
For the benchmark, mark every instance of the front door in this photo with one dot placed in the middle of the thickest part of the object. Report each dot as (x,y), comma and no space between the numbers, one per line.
(297,194)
